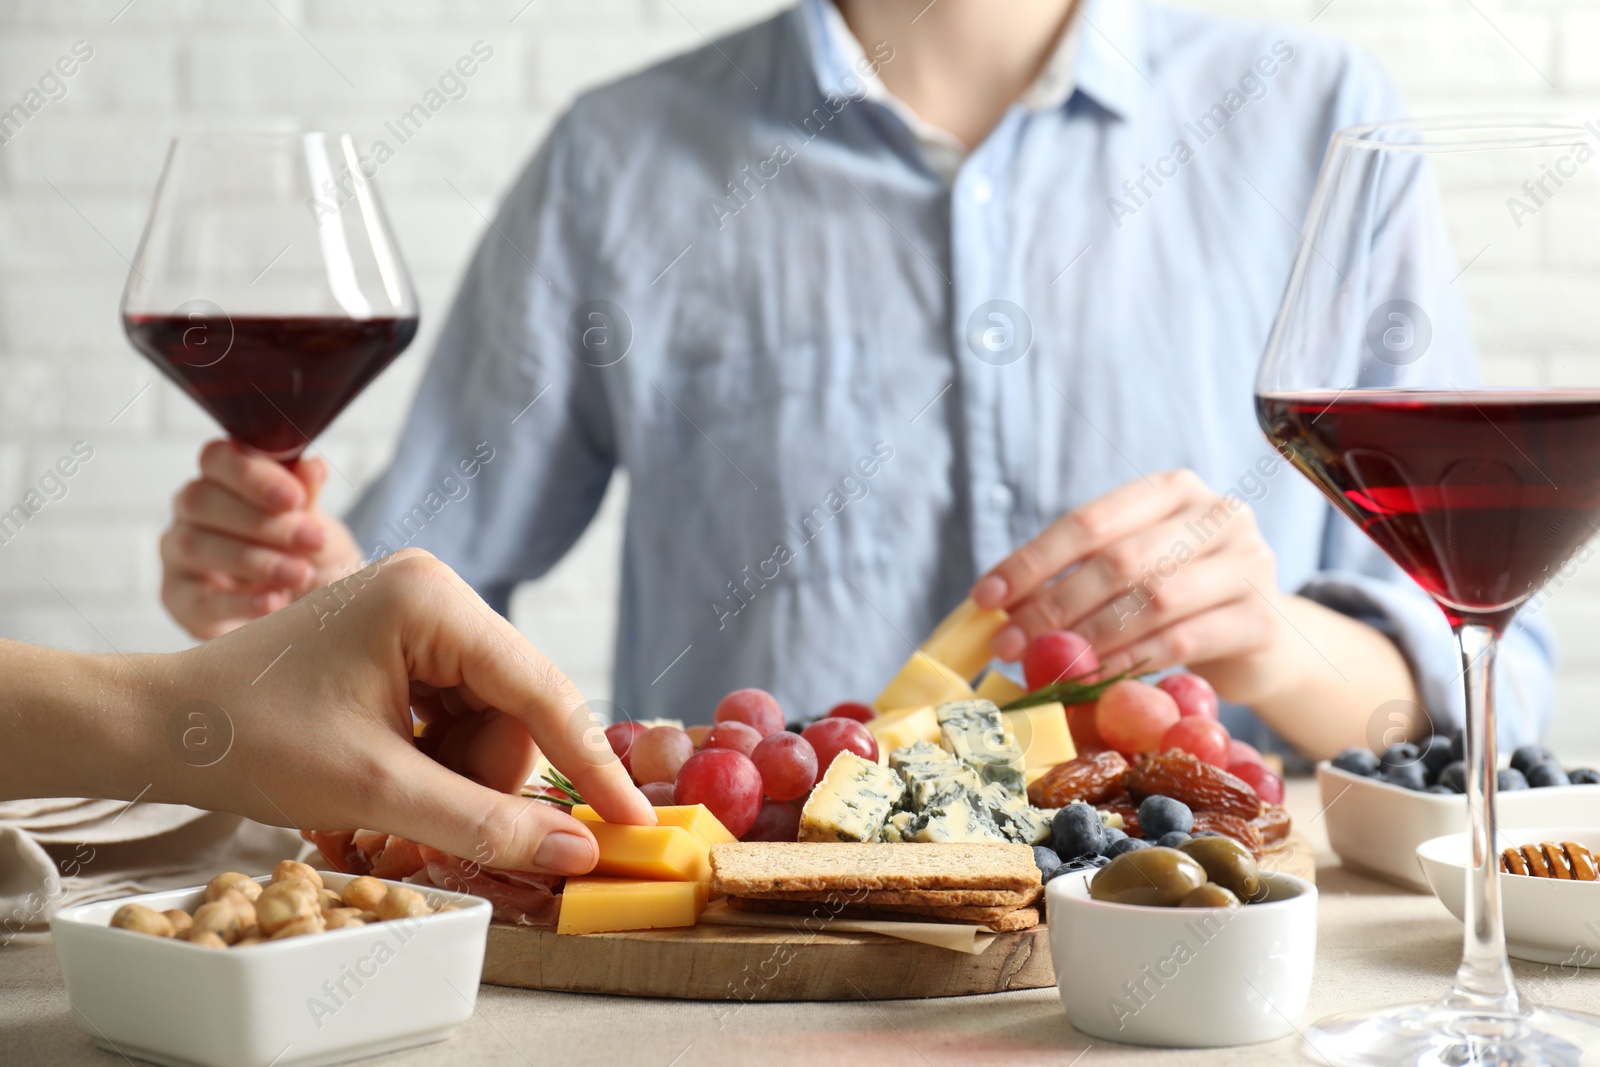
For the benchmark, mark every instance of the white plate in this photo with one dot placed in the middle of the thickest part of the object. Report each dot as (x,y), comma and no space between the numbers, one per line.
(319,999)
(1548,920)
(1376,827)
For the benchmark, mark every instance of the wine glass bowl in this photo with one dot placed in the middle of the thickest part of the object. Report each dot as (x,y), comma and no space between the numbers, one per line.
(267,284)
(1419,247)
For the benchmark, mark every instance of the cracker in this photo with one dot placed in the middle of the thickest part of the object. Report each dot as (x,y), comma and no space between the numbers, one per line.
(1000,920)
(937,898)
(767,867)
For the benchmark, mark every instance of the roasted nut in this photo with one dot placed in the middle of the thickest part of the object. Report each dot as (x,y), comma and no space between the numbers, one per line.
(364,893)
(242,884)
(1210,895)
(1155,876)
(284,902)
(142,920)
(220,917)
(327,900)
(338,918)
(308,924)
(181,921)
(205,938)
(287,869)
(447,907)
(250,939)
(1227,863)
(370,917)
(400,902)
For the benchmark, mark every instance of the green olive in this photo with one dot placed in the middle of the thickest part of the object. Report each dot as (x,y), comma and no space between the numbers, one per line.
(1210,895)
(1227,863)
(1154,876)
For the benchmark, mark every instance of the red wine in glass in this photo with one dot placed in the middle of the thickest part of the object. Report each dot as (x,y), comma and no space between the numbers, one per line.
(274,382)
(1478,496)
(267,285)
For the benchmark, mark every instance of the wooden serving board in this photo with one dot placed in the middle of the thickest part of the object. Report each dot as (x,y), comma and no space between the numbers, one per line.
(749,964)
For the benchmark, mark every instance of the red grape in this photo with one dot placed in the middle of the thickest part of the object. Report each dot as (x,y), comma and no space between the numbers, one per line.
(735,735)
(829,737)
(756,708)
(1193,693)
(726,782)
(1263,779)
(1205,739)
(1056,655)
(659,752)
(776,821)
(659,794)
(1239,752)
(1080,724)
(788,765)
(621,736)
(697,734)
(851,710)
(1133,716)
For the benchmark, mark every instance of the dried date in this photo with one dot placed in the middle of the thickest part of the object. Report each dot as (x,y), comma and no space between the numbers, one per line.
(1091,779)
(1200,785)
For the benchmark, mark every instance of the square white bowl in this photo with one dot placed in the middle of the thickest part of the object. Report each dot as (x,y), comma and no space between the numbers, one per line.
(1376,827)
(308,1001)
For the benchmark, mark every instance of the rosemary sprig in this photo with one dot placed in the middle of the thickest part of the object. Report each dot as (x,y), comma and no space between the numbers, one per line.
(1070,691)
(561,783)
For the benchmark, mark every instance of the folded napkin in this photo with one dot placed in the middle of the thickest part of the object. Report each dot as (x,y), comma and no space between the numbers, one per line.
(58,852)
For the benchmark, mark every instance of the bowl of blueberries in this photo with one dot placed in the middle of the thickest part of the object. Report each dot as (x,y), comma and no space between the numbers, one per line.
(1379,807)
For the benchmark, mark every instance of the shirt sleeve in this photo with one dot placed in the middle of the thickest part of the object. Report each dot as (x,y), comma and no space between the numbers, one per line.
(1412,258)
(506,452)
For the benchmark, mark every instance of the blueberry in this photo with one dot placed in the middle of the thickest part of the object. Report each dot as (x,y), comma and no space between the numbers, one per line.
(1435,754)
(1046,858)
(1162,815)
(1081,863)
(1546,773)
(1407,776)
(1524,758)
(1113,835)
(1584,776)
(1357,761)
(1437,788)
(1172,840)
(1400,754)
(1509,780)
(1454,776)
(1127,844)
(1076,831)
(1458,744)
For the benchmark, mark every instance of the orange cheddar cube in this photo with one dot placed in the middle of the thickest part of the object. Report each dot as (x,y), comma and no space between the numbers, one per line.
(695,818)
(669,853)
(592,905)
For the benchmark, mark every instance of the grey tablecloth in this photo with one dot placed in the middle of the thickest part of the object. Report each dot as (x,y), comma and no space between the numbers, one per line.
(1377,945)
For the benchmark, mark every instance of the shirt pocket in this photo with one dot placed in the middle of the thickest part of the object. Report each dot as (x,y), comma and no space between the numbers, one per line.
(766,467)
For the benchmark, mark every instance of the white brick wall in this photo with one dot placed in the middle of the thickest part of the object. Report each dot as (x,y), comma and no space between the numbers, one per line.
(74,187)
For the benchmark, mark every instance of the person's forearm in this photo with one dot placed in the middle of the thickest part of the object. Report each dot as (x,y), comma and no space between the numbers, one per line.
(78,725)
(1331,676)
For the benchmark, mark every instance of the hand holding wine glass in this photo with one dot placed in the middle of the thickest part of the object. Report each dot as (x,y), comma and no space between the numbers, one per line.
(267,286)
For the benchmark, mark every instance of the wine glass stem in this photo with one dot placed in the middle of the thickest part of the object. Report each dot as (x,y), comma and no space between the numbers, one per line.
(1483,981)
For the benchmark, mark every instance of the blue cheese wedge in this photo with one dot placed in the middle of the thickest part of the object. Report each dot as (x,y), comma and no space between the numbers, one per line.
(1013,816)
(974,733)
(931,776)
(960,819)
(852,801)
(894,831)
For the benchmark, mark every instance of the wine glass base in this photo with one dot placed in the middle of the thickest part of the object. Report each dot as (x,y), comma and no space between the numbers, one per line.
(1433,1035)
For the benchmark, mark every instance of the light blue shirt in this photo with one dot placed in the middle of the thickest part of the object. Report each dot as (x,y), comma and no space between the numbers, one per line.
(843,387)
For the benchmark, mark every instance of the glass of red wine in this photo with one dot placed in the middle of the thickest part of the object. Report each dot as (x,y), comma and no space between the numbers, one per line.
(267,285)
(1427,245)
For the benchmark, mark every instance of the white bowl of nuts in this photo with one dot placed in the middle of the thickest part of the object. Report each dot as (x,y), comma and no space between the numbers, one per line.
(1549,889)
(304,967)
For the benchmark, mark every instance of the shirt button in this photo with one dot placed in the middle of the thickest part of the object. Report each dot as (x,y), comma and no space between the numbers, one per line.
(982,189)
(1001,498)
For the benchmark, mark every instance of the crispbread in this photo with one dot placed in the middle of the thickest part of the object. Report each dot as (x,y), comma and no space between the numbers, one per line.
(937,898)
(767,867)
(1000,920)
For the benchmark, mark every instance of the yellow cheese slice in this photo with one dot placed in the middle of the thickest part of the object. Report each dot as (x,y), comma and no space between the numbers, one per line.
(998,688)
(961,640)
(1033,774)
(665,852)
(923,680)
(1041,732)
(695,818)
(592,905)
(907,726)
